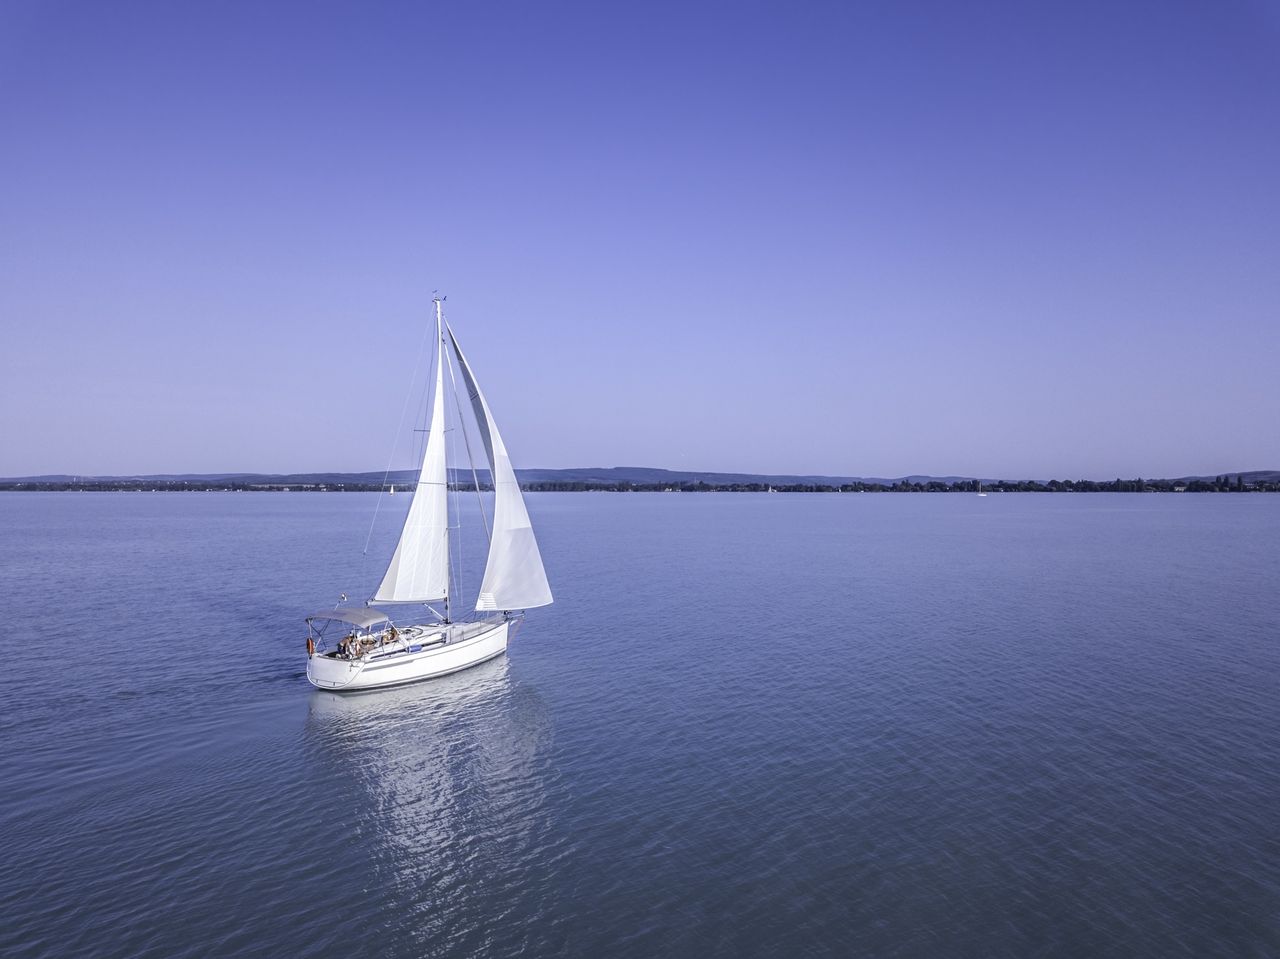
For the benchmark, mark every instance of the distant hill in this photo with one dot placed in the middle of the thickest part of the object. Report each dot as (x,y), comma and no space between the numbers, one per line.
(607,475)
(1250,476)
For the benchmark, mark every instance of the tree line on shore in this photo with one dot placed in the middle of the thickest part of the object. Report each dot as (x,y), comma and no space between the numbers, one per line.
(1220,484)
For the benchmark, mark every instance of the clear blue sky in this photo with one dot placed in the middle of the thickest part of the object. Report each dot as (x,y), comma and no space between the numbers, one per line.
(1003,239)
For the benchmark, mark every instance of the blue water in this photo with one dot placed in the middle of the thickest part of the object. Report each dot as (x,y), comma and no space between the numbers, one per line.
(752,725)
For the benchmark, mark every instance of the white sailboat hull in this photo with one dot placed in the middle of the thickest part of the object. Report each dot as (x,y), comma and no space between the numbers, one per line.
(432,651)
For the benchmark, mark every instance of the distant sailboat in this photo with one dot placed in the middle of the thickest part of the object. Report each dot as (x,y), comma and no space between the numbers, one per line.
(393,490)
(980,493)
(377,649)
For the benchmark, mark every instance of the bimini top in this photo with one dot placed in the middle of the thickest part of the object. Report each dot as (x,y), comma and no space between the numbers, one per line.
(355,615)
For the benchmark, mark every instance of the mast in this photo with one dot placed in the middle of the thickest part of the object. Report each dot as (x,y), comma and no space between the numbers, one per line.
(440,361)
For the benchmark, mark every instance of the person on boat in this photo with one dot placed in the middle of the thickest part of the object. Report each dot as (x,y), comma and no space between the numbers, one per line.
(392,636)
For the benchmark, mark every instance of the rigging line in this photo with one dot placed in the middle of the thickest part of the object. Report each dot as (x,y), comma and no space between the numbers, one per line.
(466,438)
(456,541)
(422,345)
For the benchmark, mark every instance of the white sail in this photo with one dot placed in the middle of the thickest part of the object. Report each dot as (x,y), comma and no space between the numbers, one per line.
(513,577)
(419,570)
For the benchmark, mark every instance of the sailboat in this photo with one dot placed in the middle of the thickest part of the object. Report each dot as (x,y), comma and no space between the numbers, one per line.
(380,648)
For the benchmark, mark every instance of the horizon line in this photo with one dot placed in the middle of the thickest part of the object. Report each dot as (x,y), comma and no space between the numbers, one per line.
(102,477)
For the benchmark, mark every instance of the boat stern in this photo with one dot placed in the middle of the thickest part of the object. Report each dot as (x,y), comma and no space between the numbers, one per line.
(332,672)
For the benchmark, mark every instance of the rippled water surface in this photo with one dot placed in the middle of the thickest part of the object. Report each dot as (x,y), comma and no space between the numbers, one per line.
(751,725)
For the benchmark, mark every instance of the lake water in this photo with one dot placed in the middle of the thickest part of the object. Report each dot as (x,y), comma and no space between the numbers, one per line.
(751,725)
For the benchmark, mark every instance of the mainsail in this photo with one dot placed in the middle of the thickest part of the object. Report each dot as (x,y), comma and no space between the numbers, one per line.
(513,577)
(419,570)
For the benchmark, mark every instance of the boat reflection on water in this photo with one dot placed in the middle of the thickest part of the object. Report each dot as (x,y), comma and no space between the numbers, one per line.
(443,786)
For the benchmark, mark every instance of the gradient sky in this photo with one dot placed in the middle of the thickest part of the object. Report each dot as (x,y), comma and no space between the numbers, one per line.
(998,239)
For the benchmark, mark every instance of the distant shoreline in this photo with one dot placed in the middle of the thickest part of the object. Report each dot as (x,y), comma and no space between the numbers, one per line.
(1233,483)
